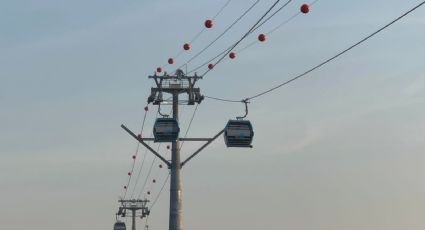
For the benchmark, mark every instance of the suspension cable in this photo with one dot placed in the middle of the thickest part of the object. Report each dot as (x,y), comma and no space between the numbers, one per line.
(275,28)
(203,29)
(142,164)
(255,27)
(327,60)
(140,172)
(221,35)
(200,32)
(160,192)
(149,171)
(190,124)
(135,155)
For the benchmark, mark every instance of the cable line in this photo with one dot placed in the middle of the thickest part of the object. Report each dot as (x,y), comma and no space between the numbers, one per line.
(200,32)
(272,15)
(181,146)
(221,35)
(221,10)
(257,25)
(141,166)
(210,60)
(190,124)
(150,169)
(232,46)
(215,16)
(338,54)
(135,156)
(276,28)
(140,172)
(243,37)
(143,161)
(160,191)
(149,173)
(327,60)
(222,99)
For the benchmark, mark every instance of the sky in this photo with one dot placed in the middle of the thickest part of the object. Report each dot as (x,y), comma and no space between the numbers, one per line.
(341,148)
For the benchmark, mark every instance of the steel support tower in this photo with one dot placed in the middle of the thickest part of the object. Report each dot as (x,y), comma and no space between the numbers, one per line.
(134,206)
(175,85)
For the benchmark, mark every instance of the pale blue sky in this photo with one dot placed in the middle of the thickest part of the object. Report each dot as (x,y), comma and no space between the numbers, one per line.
(342,148)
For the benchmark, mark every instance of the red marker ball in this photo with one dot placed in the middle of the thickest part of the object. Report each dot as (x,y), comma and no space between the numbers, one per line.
(305,8)
(232,55)
(149,193)
(160,166)
(129,173)
(125,187)
(210,66)
(170,61)
(168,147)
(208,23)
(186,46)
(139,135)
(153,180)
(159,70)
(146,108)
(134,156)
(261,37)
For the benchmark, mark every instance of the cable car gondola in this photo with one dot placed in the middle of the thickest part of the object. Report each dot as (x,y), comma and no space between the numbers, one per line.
(119,225)
(238,133)
(166,130)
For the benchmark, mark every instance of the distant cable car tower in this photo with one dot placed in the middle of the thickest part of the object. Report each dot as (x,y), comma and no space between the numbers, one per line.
(138,208)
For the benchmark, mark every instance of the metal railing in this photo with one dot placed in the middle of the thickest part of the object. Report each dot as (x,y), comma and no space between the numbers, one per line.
(174,84)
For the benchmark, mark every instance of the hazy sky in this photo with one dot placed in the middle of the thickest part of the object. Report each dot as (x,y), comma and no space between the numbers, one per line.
(342,148)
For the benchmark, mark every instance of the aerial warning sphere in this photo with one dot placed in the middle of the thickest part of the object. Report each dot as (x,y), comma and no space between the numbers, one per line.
(134,156)
(232,55)
(305,8)
(125,187)
(159,70)
(139,135)
(153,180)
(129,173)
(146,108)
(208,23)
(160,166)
(168,146)
(170,61)
(210,66)
(186,46)
(149,192)
(261,37)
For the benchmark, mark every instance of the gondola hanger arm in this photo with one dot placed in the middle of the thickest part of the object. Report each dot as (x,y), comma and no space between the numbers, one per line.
(245,101)
(159,111)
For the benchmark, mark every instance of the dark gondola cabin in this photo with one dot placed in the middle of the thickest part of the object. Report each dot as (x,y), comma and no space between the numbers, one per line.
(166,130)
(119,225)
(238,133)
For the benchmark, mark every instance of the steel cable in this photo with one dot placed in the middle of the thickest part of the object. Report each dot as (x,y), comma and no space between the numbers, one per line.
(327,60)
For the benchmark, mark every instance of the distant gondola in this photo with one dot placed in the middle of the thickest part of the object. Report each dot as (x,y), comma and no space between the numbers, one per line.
(166,130)
(238,133)
(119,225)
